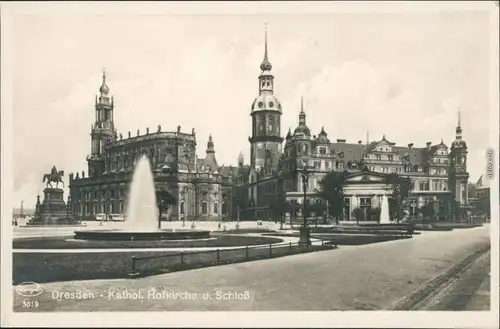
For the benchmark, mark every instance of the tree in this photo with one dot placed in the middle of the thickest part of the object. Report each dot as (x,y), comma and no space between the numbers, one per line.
(359,214)
(291,208)
(332,191)
(163,201)
(375,213)
(318,208)
(400,193)
(427,211)
(278,205)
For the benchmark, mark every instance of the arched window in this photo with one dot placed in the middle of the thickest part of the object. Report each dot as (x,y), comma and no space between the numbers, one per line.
(182,207)
(204,208)
(216,208)
(223,208)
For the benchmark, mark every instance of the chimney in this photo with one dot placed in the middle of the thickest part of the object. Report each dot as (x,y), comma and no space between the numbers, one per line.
(410,145)
(428,145)
(341,140)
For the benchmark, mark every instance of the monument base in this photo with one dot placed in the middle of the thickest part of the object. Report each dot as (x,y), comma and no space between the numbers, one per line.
(305,237)
(53,210)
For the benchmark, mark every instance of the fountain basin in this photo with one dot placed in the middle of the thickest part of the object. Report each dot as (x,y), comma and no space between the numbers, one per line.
(118,235)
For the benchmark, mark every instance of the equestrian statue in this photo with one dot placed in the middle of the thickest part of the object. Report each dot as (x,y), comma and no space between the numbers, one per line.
(54,176)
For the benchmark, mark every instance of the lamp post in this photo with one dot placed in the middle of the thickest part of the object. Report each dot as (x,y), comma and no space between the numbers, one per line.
(183,193)
(160,207)
(237,217)
(196,206)
(305,232)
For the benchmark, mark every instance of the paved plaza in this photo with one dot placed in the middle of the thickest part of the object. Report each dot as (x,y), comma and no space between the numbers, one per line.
(369,277)
(20,231)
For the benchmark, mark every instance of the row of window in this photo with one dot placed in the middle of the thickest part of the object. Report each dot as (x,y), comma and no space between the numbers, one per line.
(408,168)
(102,194)
(99,208)
(383,157)
(204,208)
(112,207)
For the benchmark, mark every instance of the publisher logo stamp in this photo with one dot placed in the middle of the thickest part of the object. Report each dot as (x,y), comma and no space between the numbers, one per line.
(29,289)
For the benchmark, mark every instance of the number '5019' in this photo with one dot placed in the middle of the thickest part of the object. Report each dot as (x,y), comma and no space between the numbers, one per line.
(30,303)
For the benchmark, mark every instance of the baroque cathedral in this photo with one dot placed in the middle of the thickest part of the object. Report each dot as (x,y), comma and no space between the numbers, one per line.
(203,190)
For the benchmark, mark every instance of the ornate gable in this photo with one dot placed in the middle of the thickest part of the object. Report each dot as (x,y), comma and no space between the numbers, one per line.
(366,177)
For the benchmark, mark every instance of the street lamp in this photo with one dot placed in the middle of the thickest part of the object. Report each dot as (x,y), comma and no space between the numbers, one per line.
(237,217)
(305,232)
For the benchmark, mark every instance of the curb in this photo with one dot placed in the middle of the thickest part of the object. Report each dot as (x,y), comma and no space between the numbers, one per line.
(417,296)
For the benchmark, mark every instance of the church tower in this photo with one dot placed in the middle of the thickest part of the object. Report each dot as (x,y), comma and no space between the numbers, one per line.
(266,119)
(102,131)
(459,175)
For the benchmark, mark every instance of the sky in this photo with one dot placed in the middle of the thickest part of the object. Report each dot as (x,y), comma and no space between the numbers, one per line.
(404,75)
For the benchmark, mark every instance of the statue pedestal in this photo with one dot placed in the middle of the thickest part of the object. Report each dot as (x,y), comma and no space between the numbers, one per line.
(305,237)
(53,210)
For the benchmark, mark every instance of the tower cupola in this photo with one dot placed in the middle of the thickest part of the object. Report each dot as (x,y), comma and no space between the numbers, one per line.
(302,130)
(266,64)
(104,90)
(459,142)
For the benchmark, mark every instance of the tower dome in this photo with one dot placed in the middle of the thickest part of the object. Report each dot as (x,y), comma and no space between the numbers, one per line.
(266,102)
(302,129)
(104,89)
(322,137)
(459,142)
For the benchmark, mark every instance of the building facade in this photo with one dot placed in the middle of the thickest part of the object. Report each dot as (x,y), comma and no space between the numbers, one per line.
(199,187)
(438,173)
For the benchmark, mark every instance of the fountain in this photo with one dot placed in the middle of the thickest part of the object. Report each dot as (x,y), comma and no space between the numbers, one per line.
(142,214)
(384,211)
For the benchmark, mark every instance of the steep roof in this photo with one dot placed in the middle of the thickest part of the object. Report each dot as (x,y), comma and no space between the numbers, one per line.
(352,152)
(355,152)
(416,155)
(229,171)
(483,182)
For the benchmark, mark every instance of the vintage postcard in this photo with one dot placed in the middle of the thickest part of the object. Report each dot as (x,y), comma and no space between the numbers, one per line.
(250,164)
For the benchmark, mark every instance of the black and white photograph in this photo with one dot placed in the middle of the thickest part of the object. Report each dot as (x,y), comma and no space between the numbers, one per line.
(250,164)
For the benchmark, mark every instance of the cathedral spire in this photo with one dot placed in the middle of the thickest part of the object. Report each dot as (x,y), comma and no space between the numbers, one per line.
(266,65)
(302,114)
(210,160)
(210,145)
(459,127)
